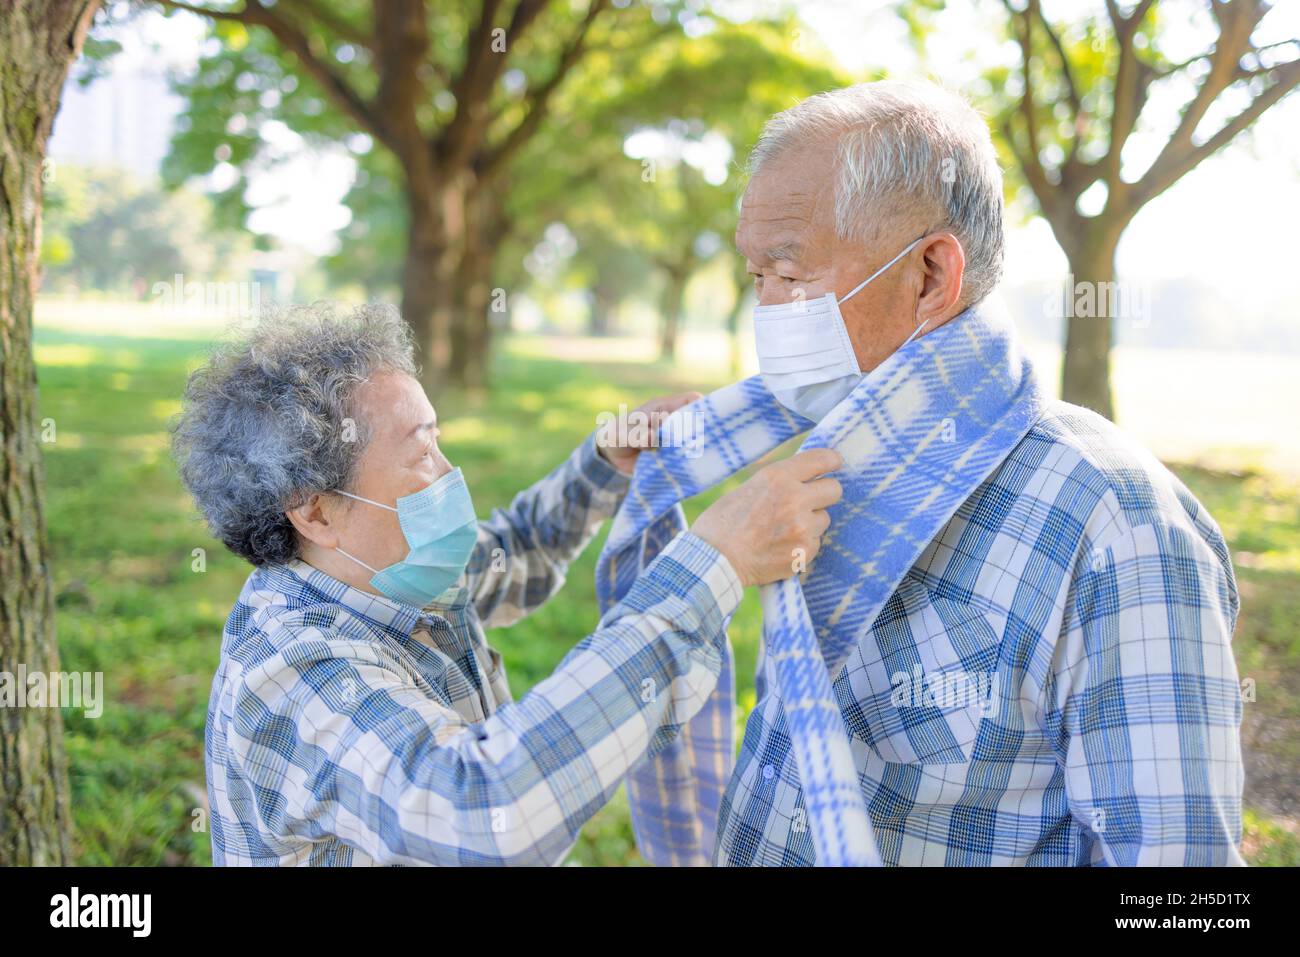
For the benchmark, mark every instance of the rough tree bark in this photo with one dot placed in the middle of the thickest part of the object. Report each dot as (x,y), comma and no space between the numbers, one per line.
(39,40)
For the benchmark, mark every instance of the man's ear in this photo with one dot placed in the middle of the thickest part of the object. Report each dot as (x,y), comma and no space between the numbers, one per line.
(943,262)
(312,520)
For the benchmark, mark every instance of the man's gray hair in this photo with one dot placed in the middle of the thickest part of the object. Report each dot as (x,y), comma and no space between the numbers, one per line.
(270,419)
(911,151)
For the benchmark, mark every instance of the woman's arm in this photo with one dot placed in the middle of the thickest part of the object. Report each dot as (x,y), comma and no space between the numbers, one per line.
(336,738)
(523,551)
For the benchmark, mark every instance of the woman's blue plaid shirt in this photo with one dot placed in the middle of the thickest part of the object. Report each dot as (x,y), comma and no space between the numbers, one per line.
(347,729)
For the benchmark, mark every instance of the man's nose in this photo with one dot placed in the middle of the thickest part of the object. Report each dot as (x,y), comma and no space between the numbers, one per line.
(772,295)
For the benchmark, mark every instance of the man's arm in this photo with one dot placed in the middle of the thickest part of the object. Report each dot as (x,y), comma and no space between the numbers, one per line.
(336,739)
(1150,706)
(523,551)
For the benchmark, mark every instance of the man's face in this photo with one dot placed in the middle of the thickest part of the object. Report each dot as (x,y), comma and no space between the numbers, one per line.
(787,235)
(402,458)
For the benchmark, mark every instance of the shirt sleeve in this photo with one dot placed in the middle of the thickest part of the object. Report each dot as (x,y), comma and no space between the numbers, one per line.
(1149,702)
(523,551)
(336,739)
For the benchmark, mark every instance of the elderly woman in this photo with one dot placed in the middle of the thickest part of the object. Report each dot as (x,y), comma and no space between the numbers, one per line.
(358,715)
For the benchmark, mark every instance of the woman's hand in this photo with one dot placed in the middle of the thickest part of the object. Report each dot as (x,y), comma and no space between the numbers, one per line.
(771,527)
(620,440)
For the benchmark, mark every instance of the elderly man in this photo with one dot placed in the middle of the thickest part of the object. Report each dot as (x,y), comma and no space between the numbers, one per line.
(1026,618)
(358,715)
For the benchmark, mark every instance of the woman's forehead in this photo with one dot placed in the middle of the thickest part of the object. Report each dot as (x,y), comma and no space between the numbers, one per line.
(396,406)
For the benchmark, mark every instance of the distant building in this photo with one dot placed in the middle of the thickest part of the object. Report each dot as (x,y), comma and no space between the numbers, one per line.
(124,119)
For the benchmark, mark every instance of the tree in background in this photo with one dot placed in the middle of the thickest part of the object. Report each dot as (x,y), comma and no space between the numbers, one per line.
(673,215)
(611,271)
(663,173)
(104,229)
(1079,92)
(642,223)
(373,244)
(452,94)
(39,40)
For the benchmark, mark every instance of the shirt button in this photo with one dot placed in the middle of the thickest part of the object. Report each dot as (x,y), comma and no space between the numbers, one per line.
(768,771)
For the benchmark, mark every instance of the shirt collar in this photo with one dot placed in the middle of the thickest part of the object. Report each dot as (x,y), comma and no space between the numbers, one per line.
(379,609)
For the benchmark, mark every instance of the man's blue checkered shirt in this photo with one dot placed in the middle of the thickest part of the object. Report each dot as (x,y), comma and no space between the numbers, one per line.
(1079,607)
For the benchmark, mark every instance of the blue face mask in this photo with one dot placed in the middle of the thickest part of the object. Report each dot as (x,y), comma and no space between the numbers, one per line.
(440,528)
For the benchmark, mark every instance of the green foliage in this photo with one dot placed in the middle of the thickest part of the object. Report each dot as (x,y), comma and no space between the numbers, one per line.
(632,215)
(373,245)
(1074,59)
(249,106)
(107,230)
(247,91)
(1268,843)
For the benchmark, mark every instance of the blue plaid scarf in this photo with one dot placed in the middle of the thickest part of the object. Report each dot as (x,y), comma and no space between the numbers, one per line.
(918,436)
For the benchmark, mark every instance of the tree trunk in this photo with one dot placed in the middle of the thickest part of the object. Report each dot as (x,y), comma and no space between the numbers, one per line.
(673,302)
(471,329)
(1085,374)
(604,302)
(428,277)
(743,285)
(38,43)
(471,332)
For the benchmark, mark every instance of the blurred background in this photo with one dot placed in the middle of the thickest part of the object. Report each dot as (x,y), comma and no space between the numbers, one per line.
(548,190)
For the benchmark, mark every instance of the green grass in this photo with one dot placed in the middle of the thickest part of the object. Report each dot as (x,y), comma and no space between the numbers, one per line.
(132,604)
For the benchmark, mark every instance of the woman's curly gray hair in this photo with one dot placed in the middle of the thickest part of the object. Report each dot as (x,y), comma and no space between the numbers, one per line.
(269,420)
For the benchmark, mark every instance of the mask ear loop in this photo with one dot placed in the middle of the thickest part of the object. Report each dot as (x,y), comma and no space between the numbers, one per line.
(369,568)
(859,287)
(915,332)
(366,500)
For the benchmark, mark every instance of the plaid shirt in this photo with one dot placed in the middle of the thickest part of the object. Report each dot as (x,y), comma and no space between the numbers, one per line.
(348,729)
(1079,609)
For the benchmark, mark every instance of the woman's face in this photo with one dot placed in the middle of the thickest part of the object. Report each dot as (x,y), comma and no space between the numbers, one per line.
(402,458)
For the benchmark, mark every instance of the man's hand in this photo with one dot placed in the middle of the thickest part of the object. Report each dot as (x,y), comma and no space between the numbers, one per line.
(771,527)
(620,442)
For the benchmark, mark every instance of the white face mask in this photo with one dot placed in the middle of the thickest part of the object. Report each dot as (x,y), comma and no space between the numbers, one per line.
(804,352)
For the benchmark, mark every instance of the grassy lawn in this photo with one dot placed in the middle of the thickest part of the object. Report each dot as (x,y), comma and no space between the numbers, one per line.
(132,604)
